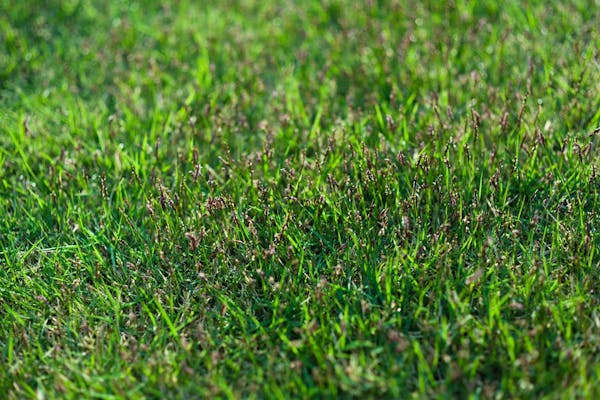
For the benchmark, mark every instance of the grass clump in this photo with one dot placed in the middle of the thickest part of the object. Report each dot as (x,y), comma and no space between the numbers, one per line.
(299,199)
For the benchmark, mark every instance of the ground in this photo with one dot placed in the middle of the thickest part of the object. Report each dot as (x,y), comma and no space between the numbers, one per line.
(328,199)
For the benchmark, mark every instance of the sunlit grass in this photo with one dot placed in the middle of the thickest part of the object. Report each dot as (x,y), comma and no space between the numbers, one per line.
(299,199)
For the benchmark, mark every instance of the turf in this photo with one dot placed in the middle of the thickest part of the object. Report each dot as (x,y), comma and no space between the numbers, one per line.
(328,199)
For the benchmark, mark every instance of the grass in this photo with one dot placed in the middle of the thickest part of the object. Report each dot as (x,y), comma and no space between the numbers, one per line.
(372,199)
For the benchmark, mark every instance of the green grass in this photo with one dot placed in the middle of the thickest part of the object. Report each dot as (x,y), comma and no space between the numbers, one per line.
(328,199)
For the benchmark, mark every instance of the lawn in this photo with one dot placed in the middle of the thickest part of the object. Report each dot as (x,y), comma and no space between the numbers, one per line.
(299,199)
